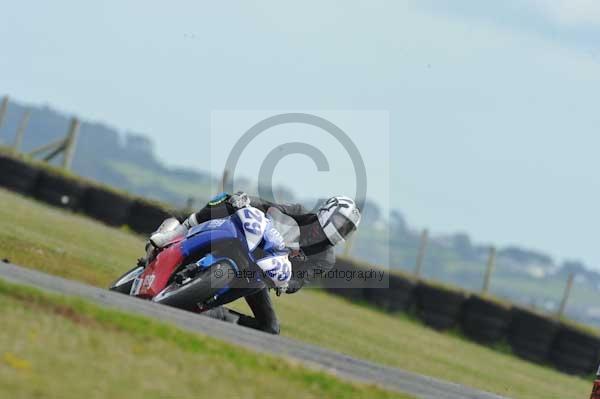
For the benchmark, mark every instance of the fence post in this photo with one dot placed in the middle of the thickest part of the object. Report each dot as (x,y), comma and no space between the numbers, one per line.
(224,180)
(567,293)
(3,108)
(349,243)
(70,143)
(21,130)
(489,270)
(421,254)
(189,205)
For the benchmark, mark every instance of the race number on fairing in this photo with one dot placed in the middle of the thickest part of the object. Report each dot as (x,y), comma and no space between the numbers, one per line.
(254,223)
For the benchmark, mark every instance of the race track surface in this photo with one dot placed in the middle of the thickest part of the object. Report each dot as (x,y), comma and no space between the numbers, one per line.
(343,366)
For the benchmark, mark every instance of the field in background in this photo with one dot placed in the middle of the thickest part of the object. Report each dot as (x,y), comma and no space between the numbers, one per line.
(76,247)
(53,347)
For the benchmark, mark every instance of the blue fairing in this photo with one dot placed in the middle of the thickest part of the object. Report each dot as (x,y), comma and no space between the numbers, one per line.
(209,259)
(210,232)
(197,247)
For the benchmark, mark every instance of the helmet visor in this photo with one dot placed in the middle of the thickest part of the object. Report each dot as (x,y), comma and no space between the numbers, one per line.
(342,224)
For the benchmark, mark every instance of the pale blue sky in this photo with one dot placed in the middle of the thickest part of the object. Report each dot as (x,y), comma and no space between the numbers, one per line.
(493,106)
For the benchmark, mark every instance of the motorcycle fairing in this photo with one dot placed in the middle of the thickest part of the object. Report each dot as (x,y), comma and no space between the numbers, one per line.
(156,276)
(158,272)
(209,232)
(254,223)
(250,226)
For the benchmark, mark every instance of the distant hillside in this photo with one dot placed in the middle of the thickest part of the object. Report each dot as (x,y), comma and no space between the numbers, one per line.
(124,160)
(128,161)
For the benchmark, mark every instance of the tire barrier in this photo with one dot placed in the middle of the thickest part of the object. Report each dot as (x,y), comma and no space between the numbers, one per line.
(399,297)
(17,175)
(439,307)
(58,190)
(145,217)
(531,335)
(575,351)
(353,289)
(484,320)
(107,206)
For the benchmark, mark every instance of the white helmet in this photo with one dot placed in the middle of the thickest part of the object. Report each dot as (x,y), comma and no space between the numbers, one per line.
(338,217)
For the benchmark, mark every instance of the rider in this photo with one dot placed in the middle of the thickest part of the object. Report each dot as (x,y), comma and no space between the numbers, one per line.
(311,237)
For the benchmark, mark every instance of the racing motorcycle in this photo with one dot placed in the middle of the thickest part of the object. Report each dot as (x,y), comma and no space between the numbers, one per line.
(215,263)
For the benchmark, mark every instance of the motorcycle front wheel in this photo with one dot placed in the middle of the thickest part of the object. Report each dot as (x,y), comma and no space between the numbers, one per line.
(123,284)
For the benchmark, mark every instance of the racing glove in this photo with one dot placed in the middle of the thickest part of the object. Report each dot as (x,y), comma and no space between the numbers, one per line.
(239,200)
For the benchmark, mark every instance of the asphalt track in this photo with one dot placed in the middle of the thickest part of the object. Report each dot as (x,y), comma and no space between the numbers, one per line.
(345,367)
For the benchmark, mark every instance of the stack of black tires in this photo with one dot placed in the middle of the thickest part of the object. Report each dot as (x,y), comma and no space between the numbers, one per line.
(531,334)
(336,281)
(107,205)
(395,293)
(59,188)
(485,320)
(17,175)
(439,307)
(145,217)
(575,351)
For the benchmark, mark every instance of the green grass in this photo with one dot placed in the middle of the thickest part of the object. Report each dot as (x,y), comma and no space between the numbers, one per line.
(30,234)
(54,347)
(403,342)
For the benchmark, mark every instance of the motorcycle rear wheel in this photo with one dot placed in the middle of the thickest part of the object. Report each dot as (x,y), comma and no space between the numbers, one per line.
(198,290)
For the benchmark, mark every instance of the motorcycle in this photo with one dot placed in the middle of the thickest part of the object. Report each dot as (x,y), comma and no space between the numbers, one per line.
(215,263)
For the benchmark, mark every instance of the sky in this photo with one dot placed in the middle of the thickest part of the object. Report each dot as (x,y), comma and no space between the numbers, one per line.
(491,108)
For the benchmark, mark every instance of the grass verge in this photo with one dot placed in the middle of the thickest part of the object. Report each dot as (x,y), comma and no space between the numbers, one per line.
(73,246)
(56,347)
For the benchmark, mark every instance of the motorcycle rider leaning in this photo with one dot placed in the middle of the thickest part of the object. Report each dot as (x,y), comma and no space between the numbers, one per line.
(311,238)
